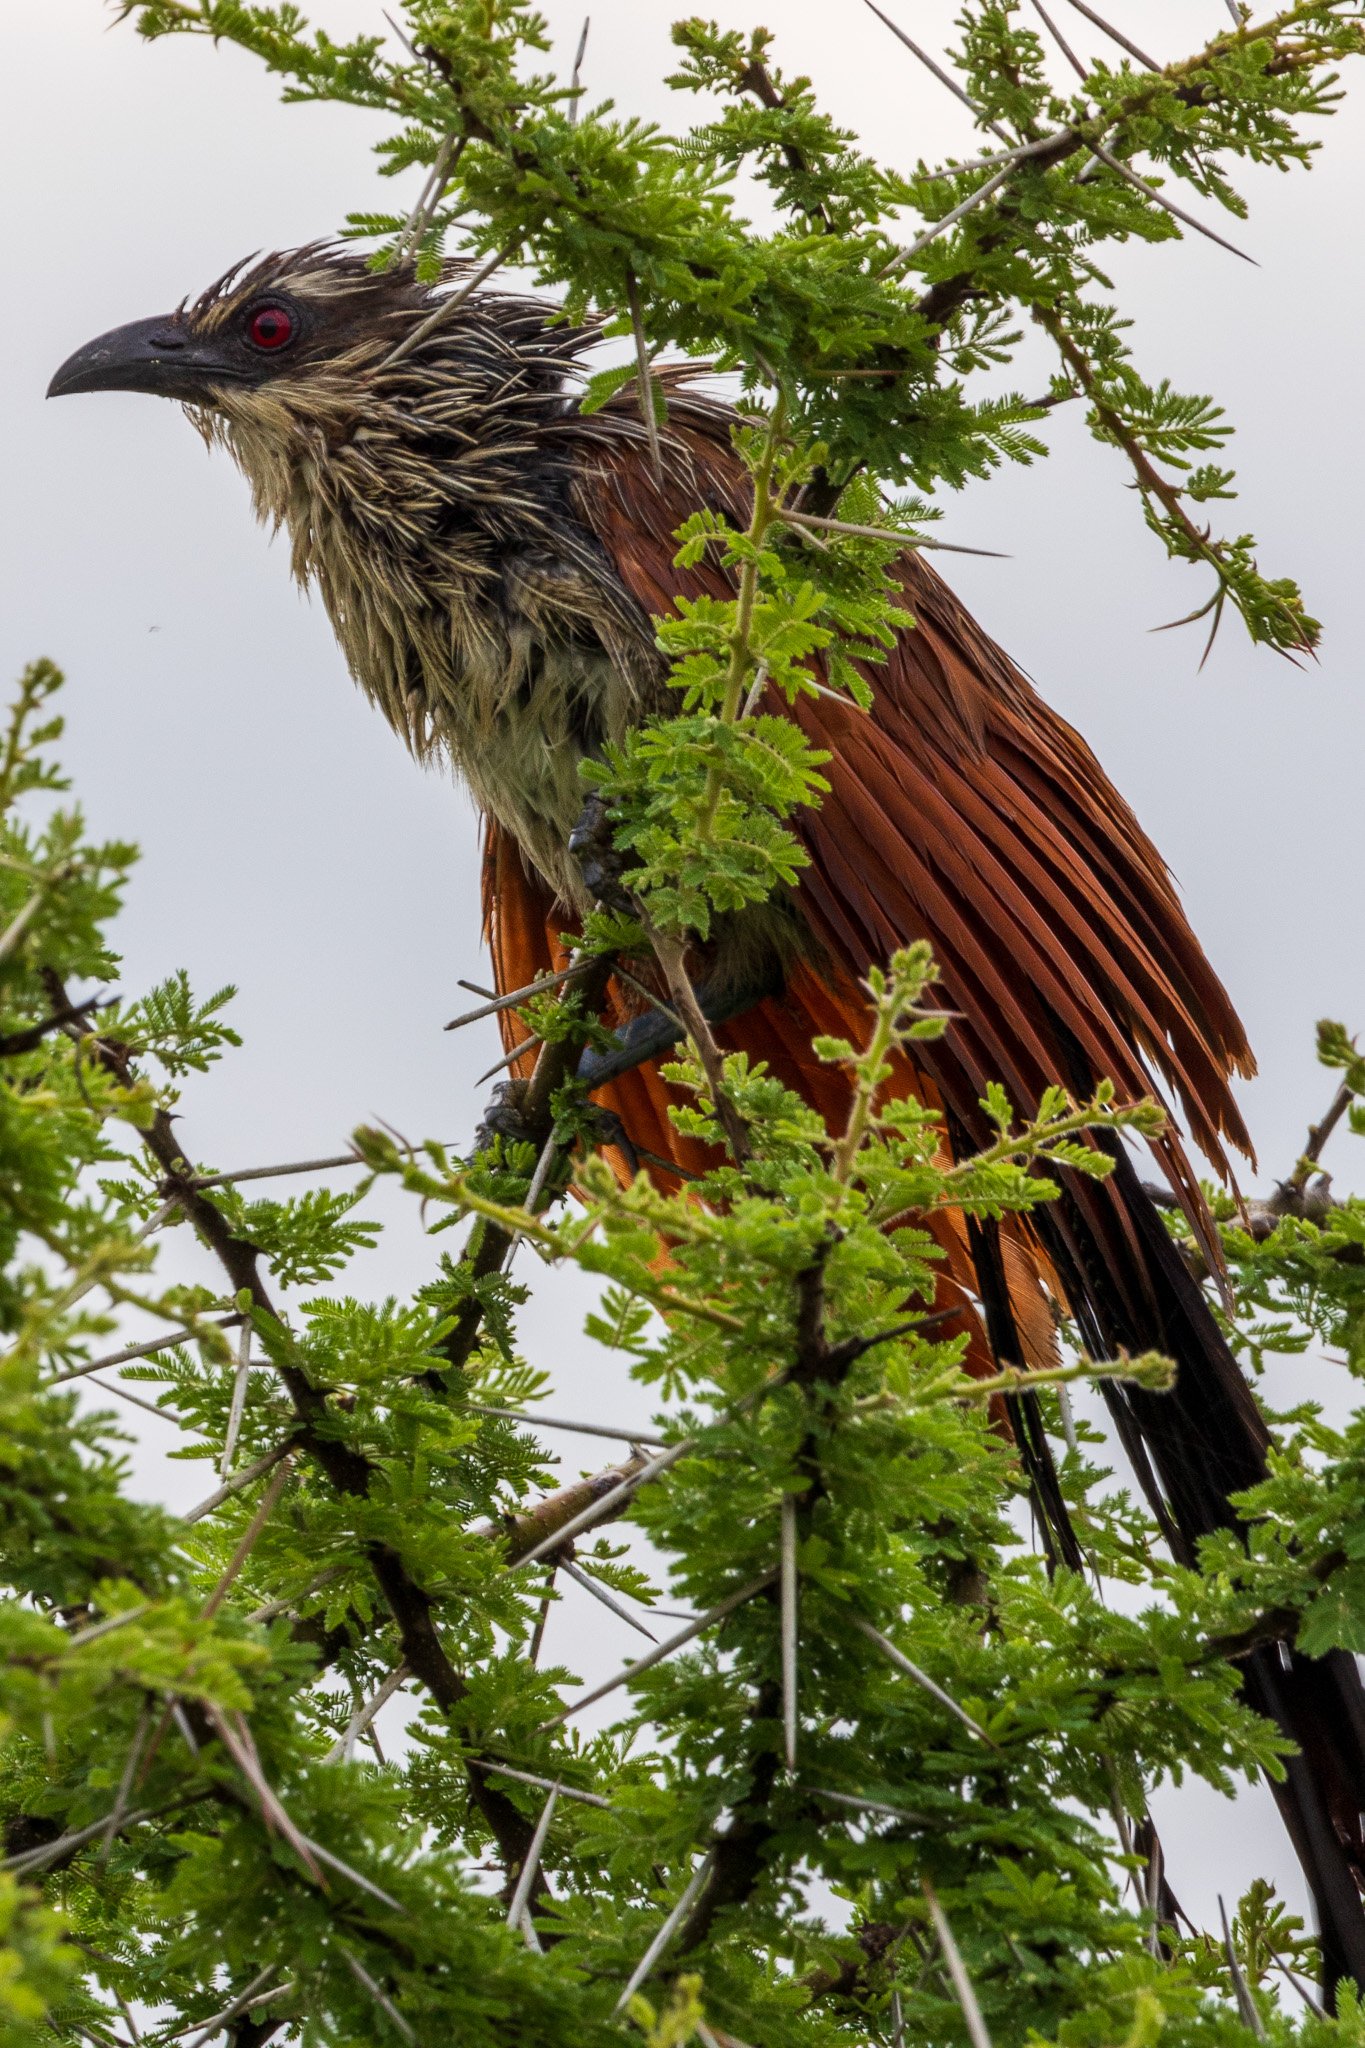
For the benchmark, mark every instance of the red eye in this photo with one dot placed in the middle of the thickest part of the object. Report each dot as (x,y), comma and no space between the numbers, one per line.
(270,327)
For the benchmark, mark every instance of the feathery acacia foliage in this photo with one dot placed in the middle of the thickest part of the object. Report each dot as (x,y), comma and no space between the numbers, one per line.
(912,1817)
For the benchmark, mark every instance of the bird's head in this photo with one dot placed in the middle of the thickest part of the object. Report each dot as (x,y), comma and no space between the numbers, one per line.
(284,322)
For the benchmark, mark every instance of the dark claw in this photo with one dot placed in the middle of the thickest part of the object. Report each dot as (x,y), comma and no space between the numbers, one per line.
(503,1118)
(608,1129)
(649,1036)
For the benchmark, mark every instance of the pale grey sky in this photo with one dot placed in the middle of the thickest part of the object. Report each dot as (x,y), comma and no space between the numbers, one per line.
(291,846)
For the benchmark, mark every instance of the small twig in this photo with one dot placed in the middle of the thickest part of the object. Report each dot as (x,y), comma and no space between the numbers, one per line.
(126,1394)
(957,1970)
(921,1678)
(637,321)
(950,219)
(380,1996)
(539,986)
(1062,44)
(1246,2004)
(217,1180)
(360,1720)
(33,1860)
(664,1649)
(510,1059)
(483,1763)
(625,1436)
(246,1477)
(1131,177)
(1153,1897)
(787,517)
(269,1500)
(96,1629)
(119,1809)
(32,1036)
(131,1351)
(1318,1134)
(670,954)
(10,938)
(1115,35)
(789,1620)
(542,1616)
(237,1741)
(574,75)
(237,1407)
(446,307)
(599,1592)
(239,2005)
(867,1805)
(526,1876)
(943,77)
(665,1934)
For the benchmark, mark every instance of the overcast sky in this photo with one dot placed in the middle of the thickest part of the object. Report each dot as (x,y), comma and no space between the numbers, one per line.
(290,845)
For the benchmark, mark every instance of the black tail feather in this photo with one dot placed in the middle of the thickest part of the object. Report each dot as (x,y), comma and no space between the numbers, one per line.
(1192,1449)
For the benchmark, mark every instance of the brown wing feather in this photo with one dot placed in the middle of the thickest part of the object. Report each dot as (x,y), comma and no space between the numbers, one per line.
(962,810)
(965,811)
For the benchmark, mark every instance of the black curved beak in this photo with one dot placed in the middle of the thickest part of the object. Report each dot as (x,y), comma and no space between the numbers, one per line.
(158,355)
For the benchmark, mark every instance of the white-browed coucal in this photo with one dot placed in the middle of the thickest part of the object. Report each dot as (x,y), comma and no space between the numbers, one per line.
(491,557)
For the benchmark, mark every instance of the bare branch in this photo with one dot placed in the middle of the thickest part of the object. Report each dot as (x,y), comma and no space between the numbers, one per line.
(666,1932)
(789,1625)
(1115,35)
(446,307)
(360,1720)
(957,1970)
(605,1429)
(526,1876)
(1246,2004)
(246,1477)
(599,1592)
(921,1678)
(540,986)
(664,1649)
(380,1996)
(943,77)
(575,74)
(637,321)
(186,1335)
(268,1504)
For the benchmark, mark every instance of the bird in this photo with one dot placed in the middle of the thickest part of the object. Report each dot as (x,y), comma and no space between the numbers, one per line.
(493,555)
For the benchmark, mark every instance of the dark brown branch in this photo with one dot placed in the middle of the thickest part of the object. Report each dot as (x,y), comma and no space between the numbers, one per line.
(13,1042)
(348,1471)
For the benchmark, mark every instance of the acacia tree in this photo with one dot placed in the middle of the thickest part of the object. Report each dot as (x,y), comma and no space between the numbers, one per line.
(890,1782)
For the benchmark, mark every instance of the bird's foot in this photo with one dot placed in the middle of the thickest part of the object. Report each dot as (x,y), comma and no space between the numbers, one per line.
(599,862)
(651,1035)
(503,1118)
